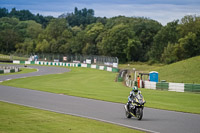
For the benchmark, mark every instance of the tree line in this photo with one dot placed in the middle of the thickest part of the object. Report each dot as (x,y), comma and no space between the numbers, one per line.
(80,32)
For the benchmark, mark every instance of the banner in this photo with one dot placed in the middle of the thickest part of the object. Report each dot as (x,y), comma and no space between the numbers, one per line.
(88,61)
(64,58)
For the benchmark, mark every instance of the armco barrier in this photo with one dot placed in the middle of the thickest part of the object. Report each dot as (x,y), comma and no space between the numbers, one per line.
(192,87)
(8,69)
(83,65)
(22,62)
(162,86)
(16,62)
(88,65)
(1,71)
(178,87)
(110,69)
(93,66)
(149,85)
(101,67)
(115,70)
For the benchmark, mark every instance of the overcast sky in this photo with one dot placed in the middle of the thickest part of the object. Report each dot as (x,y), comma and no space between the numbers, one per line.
(163,11)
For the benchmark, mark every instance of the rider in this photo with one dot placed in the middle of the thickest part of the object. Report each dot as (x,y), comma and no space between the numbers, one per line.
(133,93)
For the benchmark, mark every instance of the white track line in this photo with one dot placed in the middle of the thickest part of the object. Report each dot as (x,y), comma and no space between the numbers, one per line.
(137,128)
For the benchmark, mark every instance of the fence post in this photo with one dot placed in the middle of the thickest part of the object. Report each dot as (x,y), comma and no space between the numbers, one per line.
(192,86)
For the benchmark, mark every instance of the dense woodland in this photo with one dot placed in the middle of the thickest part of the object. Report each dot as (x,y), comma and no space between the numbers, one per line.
(80,32)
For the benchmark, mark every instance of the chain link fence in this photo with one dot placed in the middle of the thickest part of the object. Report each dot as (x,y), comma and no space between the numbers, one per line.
(91,59)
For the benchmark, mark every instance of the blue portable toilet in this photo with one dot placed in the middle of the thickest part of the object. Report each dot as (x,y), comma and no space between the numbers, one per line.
(153,76)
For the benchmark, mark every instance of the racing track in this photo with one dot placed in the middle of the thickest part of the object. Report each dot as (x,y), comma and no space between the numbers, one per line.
(154,120)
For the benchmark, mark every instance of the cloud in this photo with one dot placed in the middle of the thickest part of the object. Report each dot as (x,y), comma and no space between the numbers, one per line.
(162,11)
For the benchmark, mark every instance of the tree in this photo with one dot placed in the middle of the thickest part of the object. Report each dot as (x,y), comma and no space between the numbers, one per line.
(168,34)
(115,41)
(78,42)
(133,50)
(189,45)
(146,29)
(185,48)
(9,37)
(168,55)
(43,47)
(80,17)
(53,46)
(27,47)
(190,23)
(55,28)
(92,33)
(3,12)
(22,15)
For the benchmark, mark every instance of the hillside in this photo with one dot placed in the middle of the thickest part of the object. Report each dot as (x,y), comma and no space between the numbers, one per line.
(186,71)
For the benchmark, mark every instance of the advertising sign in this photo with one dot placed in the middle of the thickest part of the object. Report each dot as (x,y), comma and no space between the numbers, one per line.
(64,58)
(115,65)
(88,61)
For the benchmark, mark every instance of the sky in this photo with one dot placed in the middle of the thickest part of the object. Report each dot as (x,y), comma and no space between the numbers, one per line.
(163,11)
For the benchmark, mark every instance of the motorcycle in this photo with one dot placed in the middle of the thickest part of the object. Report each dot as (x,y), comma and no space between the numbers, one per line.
(136,107)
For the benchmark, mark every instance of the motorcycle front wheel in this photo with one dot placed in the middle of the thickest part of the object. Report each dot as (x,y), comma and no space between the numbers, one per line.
(128,115)
(139,113)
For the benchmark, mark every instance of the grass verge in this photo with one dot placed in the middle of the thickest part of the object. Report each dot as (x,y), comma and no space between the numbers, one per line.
(97,84)
(186,71)
(11,57)
(20,119)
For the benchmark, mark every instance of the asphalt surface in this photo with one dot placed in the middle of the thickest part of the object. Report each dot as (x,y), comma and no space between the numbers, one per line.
(154,120)
(41,70)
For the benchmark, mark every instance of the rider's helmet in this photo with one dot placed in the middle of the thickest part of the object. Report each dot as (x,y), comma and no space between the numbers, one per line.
(135,89)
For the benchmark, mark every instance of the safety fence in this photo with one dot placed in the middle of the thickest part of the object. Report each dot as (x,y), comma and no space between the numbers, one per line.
(6,69)
(94,66)
(178,87)
(94,59)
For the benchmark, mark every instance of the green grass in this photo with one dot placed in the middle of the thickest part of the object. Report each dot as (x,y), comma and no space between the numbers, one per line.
(177,101)
(20,119)
(22,70)
(186,71)
(4,57)
(8,58)
(82,82)
(139,66)
(97,84)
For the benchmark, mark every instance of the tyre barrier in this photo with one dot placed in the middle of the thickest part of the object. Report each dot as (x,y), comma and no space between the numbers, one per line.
(8,69)
(93,66)
(178,87)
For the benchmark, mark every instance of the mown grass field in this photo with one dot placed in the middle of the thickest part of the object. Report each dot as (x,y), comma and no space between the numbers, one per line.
(22,70)
(20,119)
(186,71)
(140,66)
(4,57)
(10,58)
(101,85)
